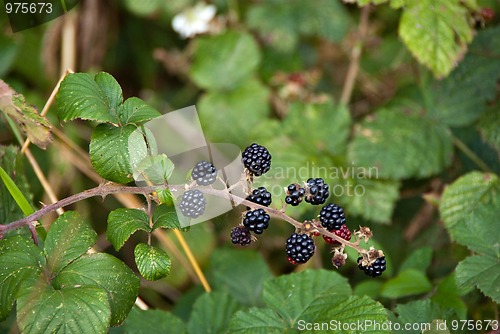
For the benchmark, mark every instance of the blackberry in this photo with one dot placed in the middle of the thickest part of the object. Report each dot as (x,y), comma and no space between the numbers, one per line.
(299,248)
(375,269)
(193,203)
(316,191)
(332,217)
(294,193)
(256,220)
(260,196)
(240,235)
(343,233)
(256,159)
(204,173)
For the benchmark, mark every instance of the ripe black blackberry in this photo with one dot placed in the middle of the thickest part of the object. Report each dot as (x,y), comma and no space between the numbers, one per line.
(204,173)
(193,203)
(332,217)
(260,196)
(343,233)
(294,194)
(256,159)
(240,235)
(299,248)
(256,220)
(375,269)
(316,191)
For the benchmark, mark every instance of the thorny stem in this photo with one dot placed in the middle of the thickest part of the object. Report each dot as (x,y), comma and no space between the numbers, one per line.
(111,188)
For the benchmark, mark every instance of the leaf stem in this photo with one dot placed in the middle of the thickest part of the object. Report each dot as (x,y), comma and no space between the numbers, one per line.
(471,155)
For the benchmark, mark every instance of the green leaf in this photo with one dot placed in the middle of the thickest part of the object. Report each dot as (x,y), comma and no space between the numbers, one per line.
(20,260)
(141,144)
(406,283)
(224,61)
(135,111)
(489,123)
(16,193)
(211,313)
(165,216)
(154,170)
(36,127)
(302,295)
(92,97)
(165,197)
(420,260)
(470,208)
(482,271)
(240,273)
(258,321)
(282,22)
(447,296)
(221,112)
(68,238)
(109,152)
(108,273)
(461,98)
(13,207)
(436,32)
(370,288)
(151,321)
(122,223)
(354,310)
(414,147)
(41,309)
(321,126)
(153,262)
(420,311)
(372,199)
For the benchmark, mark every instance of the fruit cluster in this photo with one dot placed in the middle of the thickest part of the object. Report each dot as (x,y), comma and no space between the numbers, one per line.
(300,246)
(193,202)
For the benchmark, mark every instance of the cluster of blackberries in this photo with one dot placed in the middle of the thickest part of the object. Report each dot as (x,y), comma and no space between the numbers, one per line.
(315,192)
(193,202)
(375,269)
(257,161)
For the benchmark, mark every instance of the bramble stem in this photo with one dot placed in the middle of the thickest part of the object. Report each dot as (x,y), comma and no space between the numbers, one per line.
(112,188)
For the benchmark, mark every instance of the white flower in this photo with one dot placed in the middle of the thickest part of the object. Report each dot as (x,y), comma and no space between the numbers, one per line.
(194,20)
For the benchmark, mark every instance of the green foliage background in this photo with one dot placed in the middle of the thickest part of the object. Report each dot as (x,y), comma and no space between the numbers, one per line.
(414,155)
